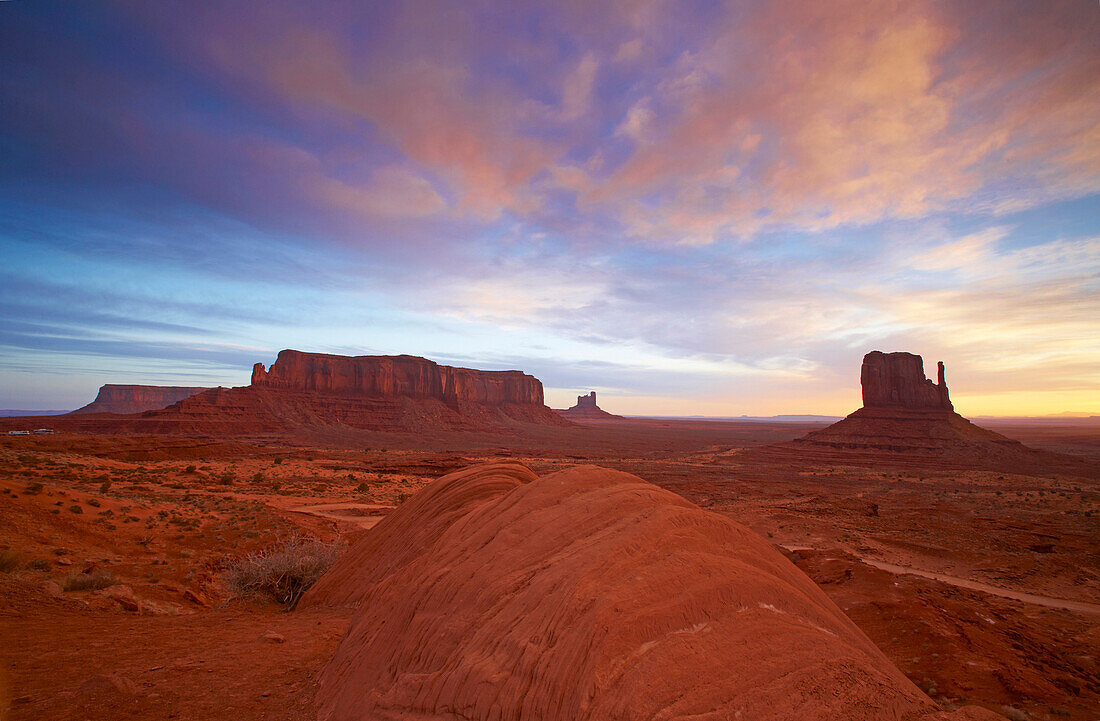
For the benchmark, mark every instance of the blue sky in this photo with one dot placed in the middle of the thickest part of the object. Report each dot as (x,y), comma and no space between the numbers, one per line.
(707,208)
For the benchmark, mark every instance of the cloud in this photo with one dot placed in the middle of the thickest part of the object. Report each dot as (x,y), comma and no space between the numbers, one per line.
(578,91)
(391,192)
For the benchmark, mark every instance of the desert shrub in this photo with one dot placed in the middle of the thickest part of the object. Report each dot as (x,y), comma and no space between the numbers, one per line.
(94,502)
(283,571)
(76,509)
(190,469)
(9,561)
(363,488)
(277,462)
(226,479)
(33,488)
(39,564)
(88,581)
(258,478)
(105,486)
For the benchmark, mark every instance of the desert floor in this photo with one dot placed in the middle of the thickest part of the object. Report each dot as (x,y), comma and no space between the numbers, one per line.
(983,586)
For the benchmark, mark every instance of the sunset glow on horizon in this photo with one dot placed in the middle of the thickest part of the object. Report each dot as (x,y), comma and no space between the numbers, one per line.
(696,208)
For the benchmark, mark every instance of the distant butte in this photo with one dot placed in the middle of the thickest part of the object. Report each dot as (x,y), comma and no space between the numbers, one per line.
(905,414)
(586,409)
(321,393)
(125,399)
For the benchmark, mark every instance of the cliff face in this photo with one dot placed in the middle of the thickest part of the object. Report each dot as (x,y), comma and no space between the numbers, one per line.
(318,394)
(137,399)
(896,380)
(394,377)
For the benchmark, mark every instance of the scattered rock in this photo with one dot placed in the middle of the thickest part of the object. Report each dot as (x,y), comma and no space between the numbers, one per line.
(51,589)
(123,595)
(272,637)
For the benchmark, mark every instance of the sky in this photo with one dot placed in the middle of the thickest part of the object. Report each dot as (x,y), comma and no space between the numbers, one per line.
(693,208)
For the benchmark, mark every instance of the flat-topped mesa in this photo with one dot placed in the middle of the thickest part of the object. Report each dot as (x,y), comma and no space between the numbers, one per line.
(114,398)
(396,376)
(896,380)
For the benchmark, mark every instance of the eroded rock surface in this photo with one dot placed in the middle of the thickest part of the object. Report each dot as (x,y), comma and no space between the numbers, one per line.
(896,380)
(590,594)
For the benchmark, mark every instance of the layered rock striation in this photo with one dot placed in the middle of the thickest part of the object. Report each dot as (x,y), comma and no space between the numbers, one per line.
(124,399)
(496,594)
(896,380)
(586,409)
(304,392)
(396,376)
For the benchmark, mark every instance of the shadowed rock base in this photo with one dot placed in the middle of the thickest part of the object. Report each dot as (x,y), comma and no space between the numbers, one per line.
(590,594)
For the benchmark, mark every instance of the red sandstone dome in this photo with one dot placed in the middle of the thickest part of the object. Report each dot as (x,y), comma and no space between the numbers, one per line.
(590,594)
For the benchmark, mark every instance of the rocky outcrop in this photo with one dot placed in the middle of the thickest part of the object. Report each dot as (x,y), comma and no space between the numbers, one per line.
(402,376)
(314,395)
(896,380)
(496,594)
(586,409)
(911,419)
(136,399)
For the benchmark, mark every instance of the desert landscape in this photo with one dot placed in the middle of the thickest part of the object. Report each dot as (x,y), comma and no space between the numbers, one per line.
(968,577)
(528,360)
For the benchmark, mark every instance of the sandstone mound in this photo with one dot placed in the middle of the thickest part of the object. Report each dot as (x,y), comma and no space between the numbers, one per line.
(590,594)
(124,399)
(586,409)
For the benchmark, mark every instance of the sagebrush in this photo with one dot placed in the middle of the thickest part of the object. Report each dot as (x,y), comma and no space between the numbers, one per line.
(88,581)
(283,571)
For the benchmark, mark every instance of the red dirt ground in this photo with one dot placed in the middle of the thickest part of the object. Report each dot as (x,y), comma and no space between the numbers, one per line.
(176,509)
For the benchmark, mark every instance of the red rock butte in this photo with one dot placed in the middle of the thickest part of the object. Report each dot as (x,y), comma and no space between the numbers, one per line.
(590,594)
(586,409)
(396,376)
(907,416)
(124,399)
(313,392)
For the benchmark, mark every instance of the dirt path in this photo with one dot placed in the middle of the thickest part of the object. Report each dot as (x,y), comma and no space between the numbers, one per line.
(358,513)
(1032,598)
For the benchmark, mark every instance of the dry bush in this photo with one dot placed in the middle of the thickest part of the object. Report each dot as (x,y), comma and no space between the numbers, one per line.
(9,561)
(88,581)
(283,571)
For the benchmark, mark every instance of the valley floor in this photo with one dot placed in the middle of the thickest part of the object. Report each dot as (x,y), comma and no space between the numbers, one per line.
(983,586)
